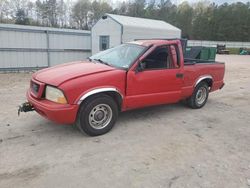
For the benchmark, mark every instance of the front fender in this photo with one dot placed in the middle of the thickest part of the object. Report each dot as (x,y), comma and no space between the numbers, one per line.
(94,91)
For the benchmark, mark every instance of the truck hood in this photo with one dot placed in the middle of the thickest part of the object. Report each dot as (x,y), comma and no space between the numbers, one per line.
(61,73)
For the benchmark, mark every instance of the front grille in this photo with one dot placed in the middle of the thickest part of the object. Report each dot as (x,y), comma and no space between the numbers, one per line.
(35,87)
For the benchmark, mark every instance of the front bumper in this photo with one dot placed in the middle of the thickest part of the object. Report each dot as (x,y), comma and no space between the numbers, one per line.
(59,113)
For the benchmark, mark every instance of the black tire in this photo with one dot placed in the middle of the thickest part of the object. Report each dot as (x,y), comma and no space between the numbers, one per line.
(193,101)
(87,109)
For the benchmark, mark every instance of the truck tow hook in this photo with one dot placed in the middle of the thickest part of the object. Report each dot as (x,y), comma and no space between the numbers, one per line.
(25,107)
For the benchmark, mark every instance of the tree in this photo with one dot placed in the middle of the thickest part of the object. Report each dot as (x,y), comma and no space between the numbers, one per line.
(47,12)
(201,20)
(21,17)
(99,8)
(137,8)
(151,10)
(41,17)
(61,14)
(4,10)
(184,19)
(51,11)
(80,13)
(167,11)
(122,8)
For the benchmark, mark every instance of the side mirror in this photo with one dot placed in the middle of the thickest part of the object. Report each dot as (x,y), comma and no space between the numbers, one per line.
(141,66)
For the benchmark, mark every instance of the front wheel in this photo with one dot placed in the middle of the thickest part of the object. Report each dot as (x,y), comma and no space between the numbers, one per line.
(199,96)
(97,115)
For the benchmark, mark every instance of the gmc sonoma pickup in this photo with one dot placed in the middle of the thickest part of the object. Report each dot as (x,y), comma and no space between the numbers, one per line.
(91,93)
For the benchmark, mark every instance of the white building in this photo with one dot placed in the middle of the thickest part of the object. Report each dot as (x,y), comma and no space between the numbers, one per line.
(112,30)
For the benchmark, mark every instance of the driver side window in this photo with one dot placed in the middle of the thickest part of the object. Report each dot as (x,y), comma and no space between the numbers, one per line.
(163,57)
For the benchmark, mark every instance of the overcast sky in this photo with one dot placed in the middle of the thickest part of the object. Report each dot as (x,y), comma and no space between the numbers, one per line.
(216,1)
(192,1)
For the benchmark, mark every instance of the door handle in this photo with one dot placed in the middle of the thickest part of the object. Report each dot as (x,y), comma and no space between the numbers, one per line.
(179,75)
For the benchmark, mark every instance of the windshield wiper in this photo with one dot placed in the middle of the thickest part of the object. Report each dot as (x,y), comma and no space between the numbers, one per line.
(103,62)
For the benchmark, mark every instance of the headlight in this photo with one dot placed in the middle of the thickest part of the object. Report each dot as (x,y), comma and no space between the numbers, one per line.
(55,95)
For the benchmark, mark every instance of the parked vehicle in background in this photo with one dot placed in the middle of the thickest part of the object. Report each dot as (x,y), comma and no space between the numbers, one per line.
(142,73)
(244,51)
(221,49)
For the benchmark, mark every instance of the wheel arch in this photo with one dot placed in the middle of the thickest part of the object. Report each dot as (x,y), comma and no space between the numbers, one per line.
(206,78)
(110,91)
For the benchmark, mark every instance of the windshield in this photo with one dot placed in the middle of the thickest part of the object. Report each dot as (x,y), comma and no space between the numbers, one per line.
(121,56)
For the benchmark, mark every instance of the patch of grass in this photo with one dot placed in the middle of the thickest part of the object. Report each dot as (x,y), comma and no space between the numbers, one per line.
(235,50)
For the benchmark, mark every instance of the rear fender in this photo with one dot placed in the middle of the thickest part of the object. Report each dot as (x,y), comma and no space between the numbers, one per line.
(202,78)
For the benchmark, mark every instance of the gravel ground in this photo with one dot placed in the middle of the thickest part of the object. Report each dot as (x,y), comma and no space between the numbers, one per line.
(164,146)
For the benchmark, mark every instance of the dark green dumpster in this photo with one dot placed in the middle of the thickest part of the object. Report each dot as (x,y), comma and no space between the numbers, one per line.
(199,52)
(212,53)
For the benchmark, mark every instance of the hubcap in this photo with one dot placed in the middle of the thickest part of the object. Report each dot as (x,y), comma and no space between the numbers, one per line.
(100,116)
(201,95)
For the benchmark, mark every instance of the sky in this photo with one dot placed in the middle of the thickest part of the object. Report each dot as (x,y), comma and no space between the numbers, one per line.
(219,2)
(216,1)
(193,1)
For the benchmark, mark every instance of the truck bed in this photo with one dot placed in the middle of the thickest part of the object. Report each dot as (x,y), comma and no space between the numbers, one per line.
(189,61)
(196,68)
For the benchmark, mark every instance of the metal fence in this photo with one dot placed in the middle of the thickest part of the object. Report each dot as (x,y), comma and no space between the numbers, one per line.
(214,43)
(28,47)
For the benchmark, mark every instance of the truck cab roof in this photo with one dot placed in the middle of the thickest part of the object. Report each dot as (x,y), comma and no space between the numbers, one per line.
(149,42)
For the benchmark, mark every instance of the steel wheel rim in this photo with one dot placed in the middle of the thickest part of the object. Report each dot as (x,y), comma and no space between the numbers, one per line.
(100,116)
(201,95)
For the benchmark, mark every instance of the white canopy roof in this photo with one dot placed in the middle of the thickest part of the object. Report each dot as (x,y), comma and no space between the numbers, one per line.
(143,23)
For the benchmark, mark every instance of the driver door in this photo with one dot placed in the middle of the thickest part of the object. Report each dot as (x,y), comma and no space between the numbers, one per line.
(158,81)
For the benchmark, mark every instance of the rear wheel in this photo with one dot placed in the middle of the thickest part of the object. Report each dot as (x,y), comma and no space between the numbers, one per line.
(199,96)
(97,115)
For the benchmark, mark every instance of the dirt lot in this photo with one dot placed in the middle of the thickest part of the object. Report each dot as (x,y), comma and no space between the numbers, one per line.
(166,146)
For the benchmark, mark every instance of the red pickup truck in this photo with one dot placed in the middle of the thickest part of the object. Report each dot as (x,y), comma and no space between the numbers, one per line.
(133,75)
